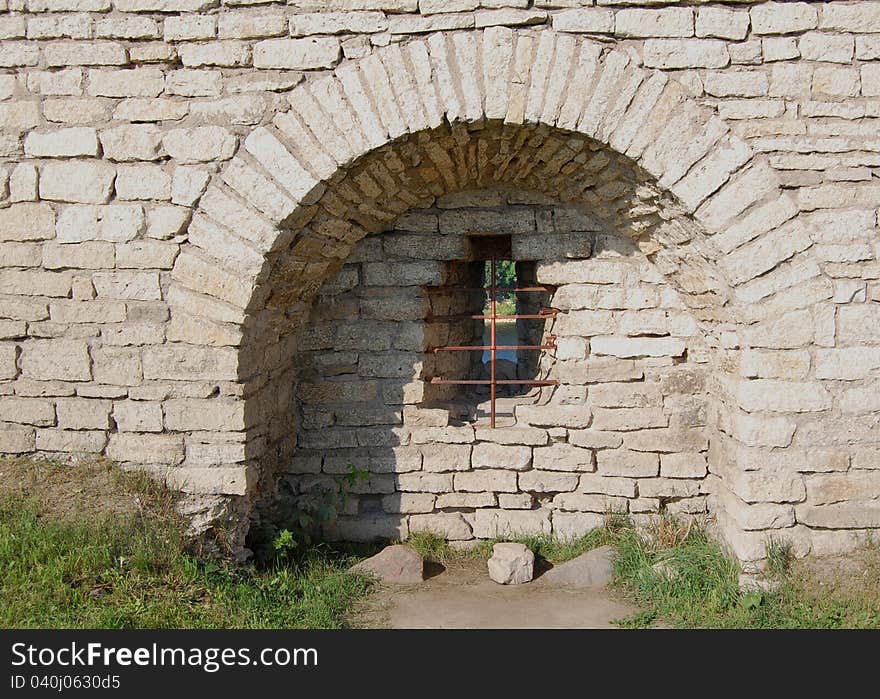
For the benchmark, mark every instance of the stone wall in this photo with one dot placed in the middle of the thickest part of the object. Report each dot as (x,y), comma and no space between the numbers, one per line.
(623,431)
(181,177)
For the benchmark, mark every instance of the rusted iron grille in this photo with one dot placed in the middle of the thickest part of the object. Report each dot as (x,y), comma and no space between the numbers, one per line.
(493,346)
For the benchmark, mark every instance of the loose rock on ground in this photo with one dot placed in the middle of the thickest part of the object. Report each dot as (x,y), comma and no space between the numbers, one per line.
(511,564)
(396,564)
(591,569)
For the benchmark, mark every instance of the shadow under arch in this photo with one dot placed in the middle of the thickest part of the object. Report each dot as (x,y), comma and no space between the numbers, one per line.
(362,397)
(544,111)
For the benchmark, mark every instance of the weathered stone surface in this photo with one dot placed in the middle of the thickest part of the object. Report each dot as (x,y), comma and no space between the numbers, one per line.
(137,416)
(144,448)
(486,480)
(297,54)
(831,488)
(71,441)
(562,415)
(220,53)
(771,484)
(180,362)
(637,346)
(487,455)
(214,414)
(63,143)
(16,440)
(83,413)
(626,419)
(849,363)
(209,481)
(134,142)
(627,463)
(409,503)
(686,53)
(594,439)
(572,525)
(722,23)
(27,221)
(451,526)
(65,360)
(8,358)
(94,53)
(112,222)
(845,515)
(783,17)
(593,20)
(199,144)
(594,568)
(397,564)
(492,523)
(547,481)
(666,22)
(447,457)
(370,529)
(781,396)
(511,564)
(268,301)
(139,82)
(563,457)
(80,181)
(28,283)
(666,440)
(27,411)
(683,465)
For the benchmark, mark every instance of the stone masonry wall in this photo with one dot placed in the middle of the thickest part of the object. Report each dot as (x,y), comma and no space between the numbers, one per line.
(179,178)
(623,432)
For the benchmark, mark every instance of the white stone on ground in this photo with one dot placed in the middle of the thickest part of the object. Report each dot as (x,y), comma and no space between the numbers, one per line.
(511,564)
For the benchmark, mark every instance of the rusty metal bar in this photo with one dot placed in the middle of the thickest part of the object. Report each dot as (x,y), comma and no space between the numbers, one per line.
(501,382)
(465,348)
(492,341)
(513,289)
(493,382)
(548,313)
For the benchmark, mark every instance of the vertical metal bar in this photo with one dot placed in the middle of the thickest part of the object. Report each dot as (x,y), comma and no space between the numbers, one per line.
(493,344)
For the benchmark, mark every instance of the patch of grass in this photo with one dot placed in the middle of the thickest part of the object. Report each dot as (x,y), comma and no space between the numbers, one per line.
(684,577)
(678,574)
(125,565)
(434,548)
(560,550)
(638,620)
(779,557)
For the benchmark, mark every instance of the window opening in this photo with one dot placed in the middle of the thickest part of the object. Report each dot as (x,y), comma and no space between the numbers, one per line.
(501,305)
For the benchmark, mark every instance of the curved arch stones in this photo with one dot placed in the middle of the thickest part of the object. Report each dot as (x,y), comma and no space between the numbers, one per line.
(711,193)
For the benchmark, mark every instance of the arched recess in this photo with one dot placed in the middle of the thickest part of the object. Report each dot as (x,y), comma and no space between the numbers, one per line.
(549,112)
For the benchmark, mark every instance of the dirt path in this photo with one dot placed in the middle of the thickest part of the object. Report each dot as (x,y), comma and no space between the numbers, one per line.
(461,596)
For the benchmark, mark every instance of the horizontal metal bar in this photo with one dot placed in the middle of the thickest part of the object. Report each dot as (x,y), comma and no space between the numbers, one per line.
(465,348)
(509,382)
(524,316)
(511,289)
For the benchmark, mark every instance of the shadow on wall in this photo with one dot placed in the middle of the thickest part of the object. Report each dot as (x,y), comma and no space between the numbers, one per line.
(624,429)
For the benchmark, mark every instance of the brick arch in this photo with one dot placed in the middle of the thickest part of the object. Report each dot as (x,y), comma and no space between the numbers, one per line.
(705,175)
(282,215)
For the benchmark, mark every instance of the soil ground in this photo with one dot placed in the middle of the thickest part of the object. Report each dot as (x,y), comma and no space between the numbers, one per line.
(66,491)
(853,577)
(460,595)
(829,592)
